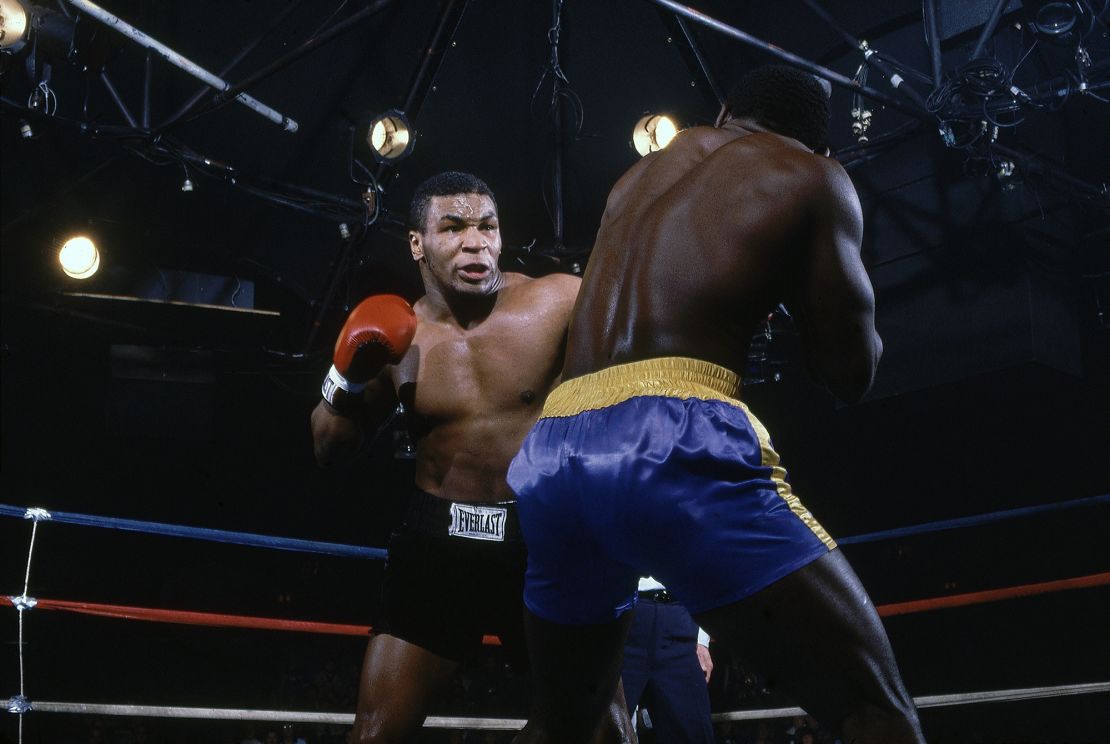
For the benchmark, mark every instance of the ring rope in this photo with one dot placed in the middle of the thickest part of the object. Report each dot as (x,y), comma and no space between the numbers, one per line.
(23,602)
(20,704)
(358,551)
(206,533)
(514,724)
(246,714)
(187,617)
(212,619)
(942,701)
(974,520)
(208,619)
(993,595)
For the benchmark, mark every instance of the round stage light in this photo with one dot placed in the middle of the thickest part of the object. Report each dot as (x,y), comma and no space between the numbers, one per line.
(653,132)
(79,257)
(390,137)
(13,25)
(1054,19)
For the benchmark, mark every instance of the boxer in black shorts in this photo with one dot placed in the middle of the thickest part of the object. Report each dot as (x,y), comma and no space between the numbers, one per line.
(472,362)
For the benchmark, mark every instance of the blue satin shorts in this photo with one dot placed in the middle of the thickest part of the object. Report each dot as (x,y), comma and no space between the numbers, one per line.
(654,468)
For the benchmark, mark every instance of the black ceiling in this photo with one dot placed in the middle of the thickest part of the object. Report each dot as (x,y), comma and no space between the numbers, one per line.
(487,110)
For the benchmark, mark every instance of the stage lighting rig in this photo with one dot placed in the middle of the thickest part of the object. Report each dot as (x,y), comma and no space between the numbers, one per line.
(53,35)
(1062,22)
(982,97)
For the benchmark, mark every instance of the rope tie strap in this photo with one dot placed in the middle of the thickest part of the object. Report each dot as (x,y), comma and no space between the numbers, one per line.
(37,514)
(19,704)
(23,602)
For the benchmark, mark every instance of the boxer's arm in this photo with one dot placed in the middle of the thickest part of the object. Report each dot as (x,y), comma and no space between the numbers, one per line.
(835,300)
(557,293)
(337,437)
(358,392)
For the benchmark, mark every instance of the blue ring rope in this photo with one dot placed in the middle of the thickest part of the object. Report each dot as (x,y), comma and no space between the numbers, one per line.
(204,533)
(357,551)
(948,524)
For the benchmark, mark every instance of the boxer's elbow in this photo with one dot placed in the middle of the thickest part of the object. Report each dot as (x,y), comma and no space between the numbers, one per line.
(849,374)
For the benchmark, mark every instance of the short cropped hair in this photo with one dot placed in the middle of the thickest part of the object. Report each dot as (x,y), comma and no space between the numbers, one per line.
(447,183)
(785,100)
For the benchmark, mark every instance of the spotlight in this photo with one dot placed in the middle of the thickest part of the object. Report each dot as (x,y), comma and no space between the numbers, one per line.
(14,21)
(81,41)
(653,132)
(79,257)
(1055,18)
(390,137)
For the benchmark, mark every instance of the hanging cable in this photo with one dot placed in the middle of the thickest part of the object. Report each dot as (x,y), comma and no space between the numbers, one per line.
(562,96)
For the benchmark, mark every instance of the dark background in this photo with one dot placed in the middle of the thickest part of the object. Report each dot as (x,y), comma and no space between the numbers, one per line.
(994,391)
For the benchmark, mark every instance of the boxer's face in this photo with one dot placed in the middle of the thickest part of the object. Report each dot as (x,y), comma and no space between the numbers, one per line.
(460,244)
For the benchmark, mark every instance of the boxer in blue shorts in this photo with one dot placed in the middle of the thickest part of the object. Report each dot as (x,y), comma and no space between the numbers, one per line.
(645,460)
(667,442)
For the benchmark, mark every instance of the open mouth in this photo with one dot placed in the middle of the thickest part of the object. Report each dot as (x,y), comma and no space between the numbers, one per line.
(474,271)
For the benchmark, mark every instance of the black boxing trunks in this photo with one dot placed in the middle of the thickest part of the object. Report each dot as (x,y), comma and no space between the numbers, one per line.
(455,573)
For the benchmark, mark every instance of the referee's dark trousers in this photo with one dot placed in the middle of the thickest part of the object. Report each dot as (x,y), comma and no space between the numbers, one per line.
(662,673)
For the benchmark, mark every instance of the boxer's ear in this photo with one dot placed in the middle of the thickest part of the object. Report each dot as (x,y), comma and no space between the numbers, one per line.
(416,246)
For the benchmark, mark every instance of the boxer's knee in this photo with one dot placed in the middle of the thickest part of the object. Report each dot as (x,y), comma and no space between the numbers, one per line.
(375,729)
(894,722)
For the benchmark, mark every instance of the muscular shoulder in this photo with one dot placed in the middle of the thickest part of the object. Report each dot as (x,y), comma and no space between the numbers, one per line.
(834,195)
(778,163)
(832,177)
(821,177)
(552,290)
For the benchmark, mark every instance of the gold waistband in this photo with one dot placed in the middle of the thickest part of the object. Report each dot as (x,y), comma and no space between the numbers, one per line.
(672,377)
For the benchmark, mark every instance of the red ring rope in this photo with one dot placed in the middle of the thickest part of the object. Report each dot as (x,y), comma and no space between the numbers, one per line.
(212,619)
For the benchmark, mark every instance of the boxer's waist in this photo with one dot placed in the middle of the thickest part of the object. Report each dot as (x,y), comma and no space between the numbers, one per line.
(490,522)
(672,377)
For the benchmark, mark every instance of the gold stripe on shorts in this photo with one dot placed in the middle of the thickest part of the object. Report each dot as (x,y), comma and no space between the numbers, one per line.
(778,476)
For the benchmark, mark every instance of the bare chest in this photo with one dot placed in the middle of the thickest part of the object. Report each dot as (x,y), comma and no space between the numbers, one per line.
(505,365)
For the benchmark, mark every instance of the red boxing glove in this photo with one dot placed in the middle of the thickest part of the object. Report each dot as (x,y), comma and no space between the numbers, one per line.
(378,332)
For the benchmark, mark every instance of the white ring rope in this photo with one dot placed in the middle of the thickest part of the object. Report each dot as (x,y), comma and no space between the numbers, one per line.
(941,701)
(515,724)
(240,714)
